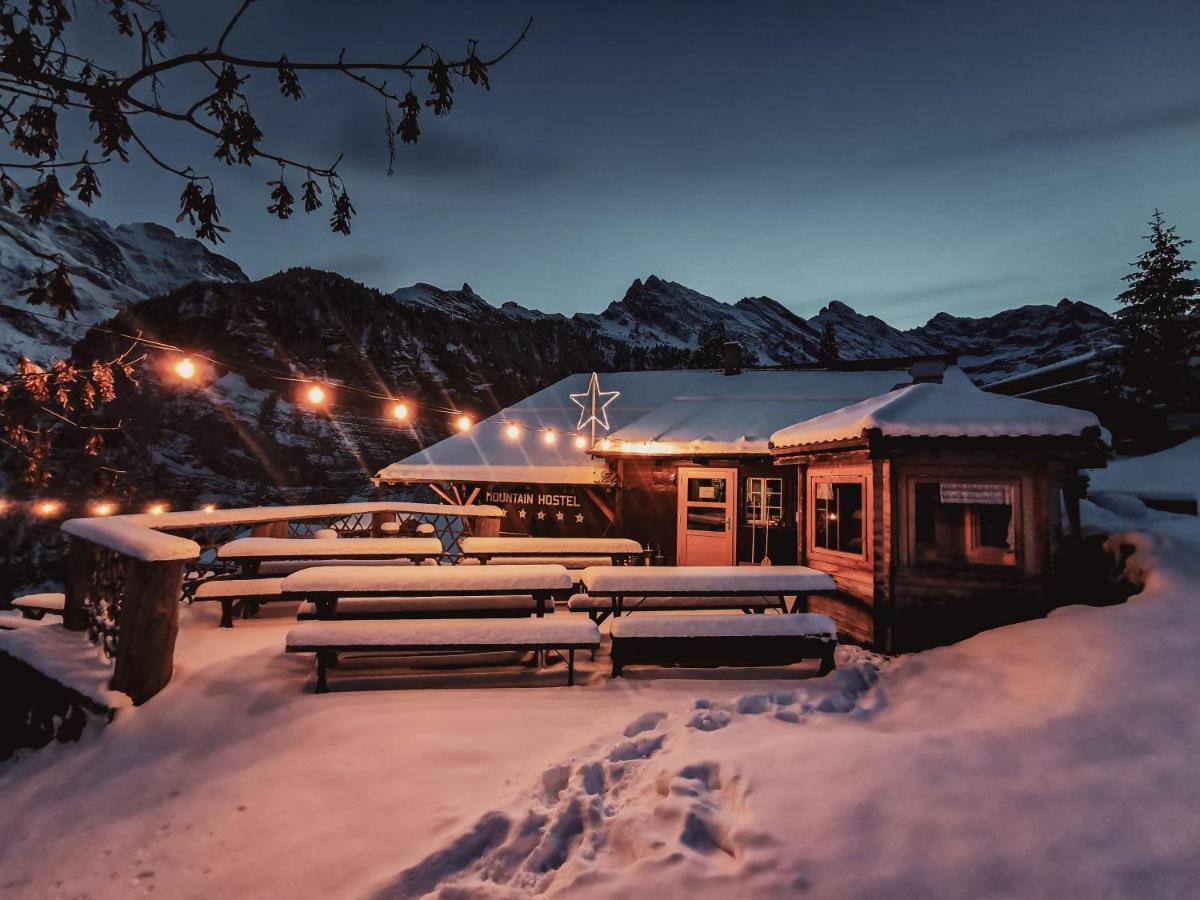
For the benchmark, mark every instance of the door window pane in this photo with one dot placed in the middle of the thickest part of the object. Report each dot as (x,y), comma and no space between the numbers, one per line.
(838,516)
(705,518)
(706,490)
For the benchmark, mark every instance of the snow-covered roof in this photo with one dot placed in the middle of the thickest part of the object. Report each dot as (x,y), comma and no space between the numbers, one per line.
(1172,474)
(954,408)
(678,411)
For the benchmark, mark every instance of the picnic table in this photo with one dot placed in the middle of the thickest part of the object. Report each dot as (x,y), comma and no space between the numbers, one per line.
(621,551)
(322,587)
(620,584)
(249,552)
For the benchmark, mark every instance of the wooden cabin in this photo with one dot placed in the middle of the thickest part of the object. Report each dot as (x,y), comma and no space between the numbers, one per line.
(937,508)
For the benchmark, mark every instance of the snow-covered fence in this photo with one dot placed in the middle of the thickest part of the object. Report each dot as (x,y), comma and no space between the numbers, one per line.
(126,574)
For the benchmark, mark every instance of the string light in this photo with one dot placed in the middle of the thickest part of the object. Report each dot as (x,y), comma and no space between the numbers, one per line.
(464,422)
(102,509)
(400,411)
(48,507)
(316,396)
(606,444)
(513,432)
(550,437)
(185,368)
(209,507)
(156,509)
(580,441)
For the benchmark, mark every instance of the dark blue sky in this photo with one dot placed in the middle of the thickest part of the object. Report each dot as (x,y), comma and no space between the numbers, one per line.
(904,157)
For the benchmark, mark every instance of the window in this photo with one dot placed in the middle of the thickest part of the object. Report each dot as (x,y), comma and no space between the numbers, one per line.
(706,490)
(838,515)
(764,501)
(964,522)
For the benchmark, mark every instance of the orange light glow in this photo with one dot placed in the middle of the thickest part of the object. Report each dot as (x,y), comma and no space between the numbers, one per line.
(550,437)
(48,507)
(209,507)
(464,422)
(400,411)
(606,444)
(580,442)
(185,368)
(316,396)
(102,509)
(156,509)
(513,432)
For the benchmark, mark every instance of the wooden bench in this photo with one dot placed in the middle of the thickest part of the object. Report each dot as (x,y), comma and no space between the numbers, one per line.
(467,607)
(723,640)
(600,607)
(626,587)
(590,551)
(35,606)
(230,589)
(328,639)
(324,587)
(251,552)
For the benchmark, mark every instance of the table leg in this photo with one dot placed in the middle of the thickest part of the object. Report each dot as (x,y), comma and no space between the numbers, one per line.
(571,667)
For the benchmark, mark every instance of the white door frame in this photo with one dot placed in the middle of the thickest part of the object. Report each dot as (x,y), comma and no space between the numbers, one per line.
(708,547)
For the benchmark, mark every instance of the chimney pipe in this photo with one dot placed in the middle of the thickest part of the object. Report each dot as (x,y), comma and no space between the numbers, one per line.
(927,371)
(733,358)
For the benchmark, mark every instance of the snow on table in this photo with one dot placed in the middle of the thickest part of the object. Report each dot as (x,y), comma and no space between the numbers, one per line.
(473,633)
(532,546)
(800,625)
(665,580)
(434,580)
(47,602)
(288,566)
(198,518)
(291,548)
(130,539)
(588,603)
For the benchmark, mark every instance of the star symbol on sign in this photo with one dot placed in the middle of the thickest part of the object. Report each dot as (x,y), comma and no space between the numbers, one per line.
(593,404)
(521,513)
(579,517)
(558,517)
(541,515)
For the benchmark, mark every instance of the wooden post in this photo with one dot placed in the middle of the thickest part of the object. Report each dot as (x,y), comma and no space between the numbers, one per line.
(270,529)
(378,519)
(149,622)
(81,556)
(485,527)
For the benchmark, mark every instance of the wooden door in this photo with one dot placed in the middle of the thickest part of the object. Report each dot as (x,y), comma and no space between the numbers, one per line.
(707,500)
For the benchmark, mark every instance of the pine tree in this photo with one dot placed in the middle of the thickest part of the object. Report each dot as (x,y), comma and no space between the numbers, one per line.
(710,354)
(1157,324)
(827,351)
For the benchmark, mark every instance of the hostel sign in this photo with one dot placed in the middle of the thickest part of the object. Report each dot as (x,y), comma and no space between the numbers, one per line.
(546,510)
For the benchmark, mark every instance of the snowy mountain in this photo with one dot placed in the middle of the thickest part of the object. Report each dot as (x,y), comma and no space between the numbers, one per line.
(110,267)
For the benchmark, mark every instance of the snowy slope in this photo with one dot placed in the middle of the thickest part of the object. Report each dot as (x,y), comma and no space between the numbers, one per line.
(110,267)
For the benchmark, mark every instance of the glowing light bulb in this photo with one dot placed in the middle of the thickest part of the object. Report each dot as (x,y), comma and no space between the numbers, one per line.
(550,437)
(400,411)
(209,507)
(48,507)
(156,509)
(606,444)
(102,509)
(185,368)
(513,432)
(464,422)
(580,442)
(316,396)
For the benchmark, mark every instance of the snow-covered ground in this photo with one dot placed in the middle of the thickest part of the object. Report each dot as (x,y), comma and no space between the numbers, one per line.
(1051,758)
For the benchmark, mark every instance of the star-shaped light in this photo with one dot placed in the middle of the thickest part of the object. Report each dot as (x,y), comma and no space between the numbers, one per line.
(593,405)
(558,517)
(521,513)
(578,517)
(541,515)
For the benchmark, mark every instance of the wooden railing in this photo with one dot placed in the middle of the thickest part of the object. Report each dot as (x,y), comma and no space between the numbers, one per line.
(126,574)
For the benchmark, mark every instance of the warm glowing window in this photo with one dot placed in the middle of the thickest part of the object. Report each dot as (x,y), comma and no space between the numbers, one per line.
(964,522)
(764,501)
(837,515)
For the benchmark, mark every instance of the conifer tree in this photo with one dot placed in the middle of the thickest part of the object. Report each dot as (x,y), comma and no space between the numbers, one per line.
(827,351)
(1157,323)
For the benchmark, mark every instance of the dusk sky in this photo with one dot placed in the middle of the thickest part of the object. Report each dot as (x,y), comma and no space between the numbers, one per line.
(906,158)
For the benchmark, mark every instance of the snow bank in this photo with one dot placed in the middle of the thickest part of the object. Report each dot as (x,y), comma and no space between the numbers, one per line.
(1172,474)
(68,657)
(132,540)
(478,632)
(265,547)
(699,579)
(735,625)
(440,579)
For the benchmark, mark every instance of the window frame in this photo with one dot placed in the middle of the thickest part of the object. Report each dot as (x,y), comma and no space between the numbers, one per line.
(748,522)
(835,476)
(975,555)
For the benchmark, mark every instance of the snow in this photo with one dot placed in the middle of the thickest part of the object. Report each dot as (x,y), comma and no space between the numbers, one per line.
(253,515)
(704,579)
(1053,758)
(350,607)
(266,547)
(68,657)
(531,545)
(1172,474)
(545,632)
(728,411)
(288,566)
(51,602)
(131,539)
(239,587)
(955,408)
(587,603)
(438,579)
(734,625)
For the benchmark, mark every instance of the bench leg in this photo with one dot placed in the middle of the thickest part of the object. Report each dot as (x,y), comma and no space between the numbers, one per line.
(617,666)
(227,612)
(571,667)
(322,665)
(33,614)
(827,664)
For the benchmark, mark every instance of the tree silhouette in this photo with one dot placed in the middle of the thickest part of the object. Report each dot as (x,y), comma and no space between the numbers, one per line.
(827,350)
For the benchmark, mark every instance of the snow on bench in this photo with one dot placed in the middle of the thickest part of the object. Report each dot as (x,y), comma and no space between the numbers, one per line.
(729,581)
(574,563)
(723,640)
(227,590)
(486,605)
(327,639)
(34,606)
(283,567)
(324,586)
(263,548)
(599,607)
(485,548)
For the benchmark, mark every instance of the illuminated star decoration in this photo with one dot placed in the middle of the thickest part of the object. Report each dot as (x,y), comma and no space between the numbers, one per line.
(593,406)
